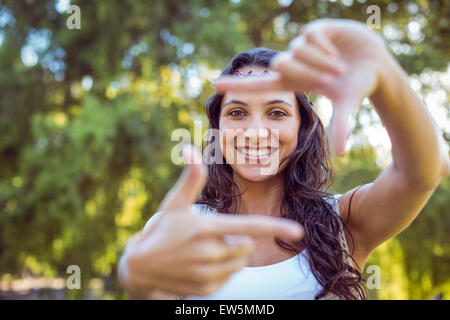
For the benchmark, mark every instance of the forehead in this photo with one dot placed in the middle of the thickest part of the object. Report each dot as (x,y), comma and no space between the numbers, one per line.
(258,97)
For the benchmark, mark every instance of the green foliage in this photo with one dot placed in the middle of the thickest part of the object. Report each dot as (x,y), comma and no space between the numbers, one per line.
(83,166)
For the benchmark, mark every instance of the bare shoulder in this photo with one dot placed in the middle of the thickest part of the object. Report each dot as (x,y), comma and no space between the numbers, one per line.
(346,203)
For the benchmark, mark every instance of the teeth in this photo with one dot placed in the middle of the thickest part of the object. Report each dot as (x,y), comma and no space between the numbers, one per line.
(255,152)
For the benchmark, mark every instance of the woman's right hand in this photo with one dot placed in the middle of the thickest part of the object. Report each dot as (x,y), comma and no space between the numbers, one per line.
(182,253)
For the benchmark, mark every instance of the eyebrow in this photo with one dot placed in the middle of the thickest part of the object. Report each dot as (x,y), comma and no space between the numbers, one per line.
(268,103)
(279,101)
(235,102)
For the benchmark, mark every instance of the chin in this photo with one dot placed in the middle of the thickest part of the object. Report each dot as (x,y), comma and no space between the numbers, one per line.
(255,173)
(253,177)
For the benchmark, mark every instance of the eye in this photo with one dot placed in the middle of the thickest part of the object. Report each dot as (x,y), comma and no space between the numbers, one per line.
(236,113)
(278,113)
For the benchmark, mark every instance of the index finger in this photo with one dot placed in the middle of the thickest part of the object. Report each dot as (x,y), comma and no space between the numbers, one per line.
(231,83)
(255,226)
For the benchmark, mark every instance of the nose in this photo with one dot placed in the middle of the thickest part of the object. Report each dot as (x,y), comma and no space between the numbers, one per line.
(257,127)
(256,132)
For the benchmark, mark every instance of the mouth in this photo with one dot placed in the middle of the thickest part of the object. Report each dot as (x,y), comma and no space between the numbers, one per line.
(256,153)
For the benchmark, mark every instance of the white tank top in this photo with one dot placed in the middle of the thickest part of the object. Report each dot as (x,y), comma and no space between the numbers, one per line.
(290,279)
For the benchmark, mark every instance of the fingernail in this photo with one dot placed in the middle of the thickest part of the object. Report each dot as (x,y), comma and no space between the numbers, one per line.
(279,57)
(185,151)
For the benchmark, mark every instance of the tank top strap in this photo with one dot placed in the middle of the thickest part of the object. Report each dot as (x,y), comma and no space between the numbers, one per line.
(341,236)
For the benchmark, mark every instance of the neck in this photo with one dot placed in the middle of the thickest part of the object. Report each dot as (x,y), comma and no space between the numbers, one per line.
(261,197)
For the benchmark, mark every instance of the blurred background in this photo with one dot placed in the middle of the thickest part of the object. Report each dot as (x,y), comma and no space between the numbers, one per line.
(86,117)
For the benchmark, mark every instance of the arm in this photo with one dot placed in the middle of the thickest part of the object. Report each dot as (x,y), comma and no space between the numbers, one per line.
(384,208)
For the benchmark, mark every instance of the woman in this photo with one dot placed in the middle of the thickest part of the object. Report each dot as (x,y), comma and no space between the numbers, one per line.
(187,250)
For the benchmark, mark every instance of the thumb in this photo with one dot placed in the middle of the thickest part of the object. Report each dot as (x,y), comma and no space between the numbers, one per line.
(340,125)
(189,184)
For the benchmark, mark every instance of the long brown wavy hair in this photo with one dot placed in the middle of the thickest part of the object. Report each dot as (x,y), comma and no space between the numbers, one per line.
(307,176)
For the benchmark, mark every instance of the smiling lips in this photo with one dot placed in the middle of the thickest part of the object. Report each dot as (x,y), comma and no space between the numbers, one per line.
(256,153)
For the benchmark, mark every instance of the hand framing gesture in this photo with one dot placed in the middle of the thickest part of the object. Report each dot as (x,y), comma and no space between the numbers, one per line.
(340,59)
(185,253)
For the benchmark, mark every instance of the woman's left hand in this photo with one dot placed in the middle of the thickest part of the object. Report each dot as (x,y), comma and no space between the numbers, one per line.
(340,59)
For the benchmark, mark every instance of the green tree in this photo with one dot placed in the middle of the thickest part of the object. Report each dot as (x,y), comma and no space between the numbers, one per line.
(86,118)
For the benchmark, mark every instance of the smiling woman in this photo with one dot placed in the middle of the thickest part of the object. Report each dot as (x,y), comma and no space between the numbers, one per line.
(293,137)
(242,238)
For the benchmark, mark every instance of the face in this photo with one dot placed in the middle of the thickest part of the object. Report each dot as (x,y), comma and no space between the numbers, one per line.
(258,130)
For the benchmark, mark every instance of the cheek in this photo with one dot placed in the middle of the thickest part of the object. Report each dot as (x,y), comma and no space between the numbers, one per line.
(225,124)
(288,135)
(227,140)
(288,138)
